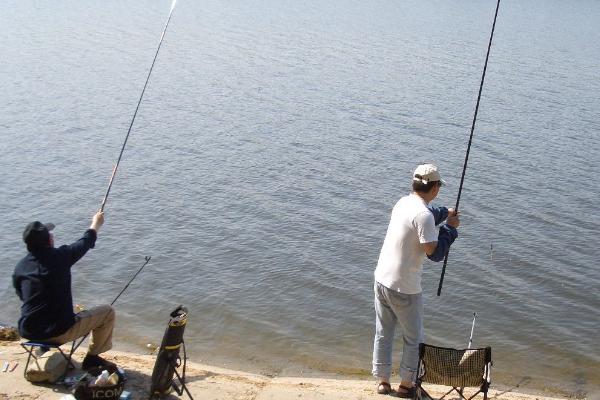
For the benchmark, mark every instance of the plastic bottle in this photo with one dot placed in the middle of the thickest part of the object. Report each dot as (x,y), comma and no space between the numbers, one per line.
(113,379)
(102,379)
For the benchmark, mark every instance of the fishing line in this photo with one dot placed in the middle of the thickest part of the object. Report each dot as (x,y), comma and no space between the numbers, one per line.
(114,172)
(462,178)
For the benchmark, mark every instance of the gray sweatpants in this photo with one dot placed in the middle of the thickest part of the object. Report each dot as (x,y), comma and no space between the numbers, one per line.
(392,307)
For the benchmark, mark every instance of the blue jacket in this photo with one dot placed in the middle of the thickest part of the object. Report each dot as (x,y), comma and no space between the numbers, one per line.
(42,280)
(446,236)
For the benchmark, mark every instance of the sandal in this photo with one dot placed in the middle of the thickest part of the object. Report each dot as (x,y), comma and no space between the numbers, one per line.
(408,393)
(384,388)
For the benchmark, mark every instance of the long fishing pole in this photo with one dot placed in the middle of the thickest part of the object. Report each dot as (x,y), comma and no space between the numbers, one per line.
(114,172)
(147,258)
(462,178)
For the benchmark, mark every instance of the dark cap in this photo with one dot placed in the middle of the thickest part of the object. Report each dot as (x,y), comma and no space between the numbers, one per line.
(37,235)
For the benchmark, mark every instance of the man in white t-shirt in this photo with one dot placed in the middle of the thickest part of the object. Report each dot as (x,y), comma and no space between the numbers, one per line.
(413,234)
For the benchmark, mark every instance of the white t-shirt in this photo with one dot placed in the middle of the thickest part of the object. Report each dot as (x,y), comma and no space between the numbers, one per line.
(401,259)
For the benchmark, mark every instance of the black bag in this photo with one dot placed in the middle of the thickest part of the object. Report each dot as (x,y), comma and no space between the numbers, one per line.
(83,390)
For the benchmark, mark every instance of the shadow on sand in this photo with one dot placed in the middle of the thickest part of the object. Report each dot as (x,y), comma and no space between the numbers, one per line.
(137,383)
(522,381)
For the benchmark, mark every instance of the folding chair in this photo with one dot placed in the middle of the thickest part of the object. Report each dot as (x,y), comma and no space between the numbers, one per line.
(456,368)
(44,347)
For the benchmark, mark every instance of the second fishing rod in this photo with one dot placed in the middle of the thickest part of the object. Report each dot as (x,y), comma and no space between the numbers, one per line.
(147,260)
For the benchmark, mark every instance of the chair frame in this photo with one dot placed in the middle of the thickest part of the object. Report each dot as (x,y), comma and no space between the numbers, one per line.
(421,393)
(31,345)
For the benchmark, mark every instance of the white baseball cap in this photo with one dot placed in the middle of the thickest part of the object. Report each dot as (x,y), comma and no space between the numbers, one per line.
(426,173)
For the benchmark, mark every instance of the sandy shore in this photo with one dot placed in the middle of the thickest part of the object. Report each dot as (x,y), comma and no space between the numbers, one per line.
(211,383)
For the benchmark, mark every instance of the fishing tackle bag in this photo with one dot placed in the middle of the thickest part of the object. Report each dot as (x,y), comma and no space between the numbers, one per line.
(83,389)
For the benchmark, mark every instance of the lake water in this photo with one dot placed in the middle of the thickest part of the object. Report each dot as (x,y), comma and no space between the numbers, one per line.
(272,143)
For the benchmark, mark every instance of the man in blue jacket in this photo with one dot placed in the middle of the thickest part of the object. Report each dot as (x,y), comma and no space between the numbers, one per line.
(42,280)
(412,234)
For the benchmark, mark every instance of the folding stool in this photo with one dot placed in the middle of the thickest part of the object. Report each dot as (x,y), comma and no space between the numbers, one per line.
(44,346)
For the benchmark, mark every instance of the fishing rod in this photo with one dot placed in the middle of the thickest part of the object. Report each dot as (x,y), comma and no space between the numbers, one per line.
(114,172)
(472,329)
(147,259)
(462,178)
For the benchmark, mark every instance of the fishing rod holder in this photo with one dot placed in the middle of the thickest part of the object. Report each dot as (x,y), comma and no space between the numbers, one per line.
(165,375)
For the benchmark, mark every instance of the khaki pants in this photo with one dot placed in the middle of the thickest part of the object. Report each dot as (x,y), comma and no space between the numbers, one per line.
(99,320)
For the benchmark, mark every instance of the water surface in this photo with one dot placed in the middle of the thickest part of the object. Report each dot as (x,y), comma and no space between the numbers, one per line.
(272,143)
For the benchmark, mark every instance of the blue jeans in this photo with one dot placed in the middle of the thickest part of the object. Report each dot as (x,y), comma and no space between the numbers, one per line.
(392,307)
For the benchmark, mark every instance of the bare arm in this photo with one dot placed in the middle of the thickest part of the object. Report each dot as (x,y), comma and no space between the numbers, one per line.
(97,221)
(429,248)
